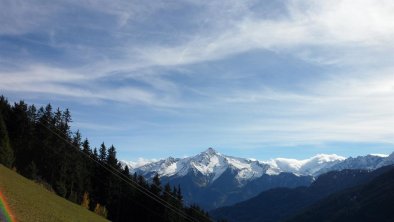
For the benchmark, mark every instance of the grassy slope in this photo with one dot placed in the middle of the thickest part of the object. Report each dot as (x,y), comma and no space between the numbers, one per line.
(30,202)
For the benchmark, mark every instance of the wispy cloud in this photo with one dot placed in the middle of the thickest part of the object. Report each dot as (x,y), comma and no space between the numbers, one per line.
(69,83)
(284,72)
(341,25)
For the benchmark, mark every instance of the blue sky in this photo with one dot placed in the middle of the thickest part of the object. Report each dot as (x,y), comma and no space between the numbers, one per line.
(258,79)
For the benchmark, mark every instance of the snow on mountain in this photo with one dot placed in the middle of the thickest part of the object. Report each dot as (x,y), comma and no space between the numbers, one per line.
(247,169)
(166,166)
(208,163)
(387,161)
(309,166)
(212,179)
(211,165)
(135,164)
(379,155)
(368,162)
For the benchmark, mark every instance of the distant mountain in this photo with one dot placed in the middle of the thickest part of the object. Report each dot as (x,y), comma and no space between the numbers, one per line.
(212,179)
(209,164)
(312,166)
(212,164)
(389,160)
(280,203)
(368,162)
(372,201)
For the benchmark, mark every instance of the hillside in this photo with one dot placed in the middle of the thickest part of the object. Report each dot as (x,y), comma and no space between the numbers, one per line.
(30,202)
(373,201)
(280,203)
(39,143)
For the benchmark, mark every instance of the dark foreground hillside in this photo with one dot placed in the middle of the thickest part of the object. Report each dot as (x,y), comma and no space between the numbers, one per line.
(39,144)
(373,201)
(281,203)
(31,202)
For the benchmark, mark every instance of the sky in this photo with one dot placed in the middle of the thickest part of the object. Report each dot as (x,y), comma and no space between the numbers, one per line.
(256,79)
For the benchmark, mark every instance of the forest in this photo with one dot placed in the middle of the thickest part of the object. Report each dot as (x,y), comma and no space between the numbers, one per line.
(38,143)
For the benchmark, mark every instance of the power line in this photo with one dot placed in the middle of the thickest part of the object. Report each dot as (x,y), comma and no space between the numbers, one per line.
(170,194)
(127,180)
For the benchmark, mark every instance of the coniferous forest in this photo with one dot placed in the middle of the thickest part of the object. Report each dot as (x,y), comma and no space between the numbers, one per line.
(39,144)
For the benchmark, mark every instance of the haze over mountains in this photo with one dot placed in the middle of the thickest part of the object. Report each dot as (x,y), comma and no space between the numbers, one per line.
(212,179)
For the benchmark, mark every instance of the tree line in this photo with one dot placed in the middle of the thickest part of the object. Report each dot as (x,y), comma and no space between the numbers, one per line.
(39,144)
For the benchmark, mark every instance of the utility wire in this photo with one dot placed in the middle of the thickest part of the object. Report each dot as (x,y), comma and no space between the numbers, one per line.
(170,194)
(123,178)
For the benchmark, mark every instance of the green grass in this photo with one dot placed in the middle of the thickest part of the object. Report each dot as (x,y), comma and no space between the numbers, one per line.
(30,202)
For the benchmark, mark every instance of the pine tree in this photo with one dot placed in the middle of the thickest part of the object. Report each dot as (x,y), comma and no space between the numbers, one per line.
(86,147)
(6,152)
(156,185)
(103,152)
(167,192)
(66,120)
(111,157)
(179,193)
(4,107)
(20,131)
(126,171)
(95,154)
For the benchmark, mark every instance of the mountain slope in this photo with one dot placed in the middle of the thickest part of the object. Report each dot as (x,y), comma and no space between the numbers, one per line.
(224,191)
(212,164)
(209,163)
(31,202)
(277,204)
(211,179)
(312,166)
(369,162)
(373,201)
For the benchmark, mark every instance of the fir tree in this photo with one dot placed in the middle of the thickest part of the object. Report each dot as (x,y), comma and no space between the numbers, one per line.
(103,152)
(111,157)
(86,147)
(156,185)
(6,152)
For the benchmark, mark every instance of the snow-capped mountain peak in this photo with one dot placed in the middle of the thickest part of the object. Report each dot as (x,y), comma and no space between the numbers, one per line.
(308,166)
(210,151)
(225,177)
(211,164)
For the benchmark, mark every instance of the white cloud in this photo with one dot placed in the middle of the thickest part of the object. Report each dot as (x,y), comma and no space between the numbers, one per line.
(354,107)
(342,24)
(70,83)
(354,104)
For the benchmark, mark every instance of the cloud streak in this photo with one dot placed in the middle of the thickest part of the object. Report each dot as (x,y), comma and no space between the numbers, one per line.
(284,72)
(339,24)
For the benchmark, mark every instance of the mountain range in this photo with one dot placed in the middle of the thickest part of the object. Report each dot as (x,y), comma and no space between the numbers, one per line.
(213,180)
(279,204)
(371,201)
